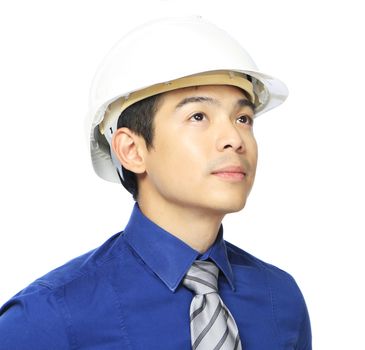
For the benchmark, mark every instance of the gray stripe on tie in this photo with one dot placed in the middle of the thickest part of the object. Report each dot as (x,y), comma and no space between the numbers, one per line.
(208,327)
(199,280)
(199,310)
(206,270)
(223,339)
(236,342)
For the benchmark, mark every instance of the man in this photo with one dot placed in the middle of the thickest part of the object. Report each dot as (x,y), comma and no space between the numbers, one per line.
(172,111)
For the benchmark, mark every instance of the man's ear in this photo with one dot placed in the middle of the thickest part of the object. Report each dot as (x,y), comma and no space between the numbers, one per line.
(129,149)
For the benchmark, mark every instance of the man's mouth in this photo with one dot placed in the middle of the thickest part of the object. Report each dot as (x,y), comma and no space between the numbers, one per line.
(232,172)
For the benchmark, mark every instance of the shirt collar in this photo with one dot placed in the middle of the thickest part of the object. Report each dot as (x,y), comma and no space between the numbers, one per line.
(169,257)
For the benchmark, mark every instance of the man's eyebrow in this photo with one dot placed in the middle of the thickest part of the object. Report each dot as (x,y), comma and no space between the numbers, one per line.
(196,99)
(239,104)
(246,103)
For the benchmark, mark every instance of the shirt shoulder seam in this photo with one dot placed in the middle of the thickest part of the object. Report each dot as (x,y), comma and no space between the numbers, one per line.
(80,272)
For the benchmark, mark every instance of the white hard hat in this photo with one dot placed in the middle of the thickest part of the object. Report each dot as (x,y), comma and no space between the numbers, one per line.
(164,55)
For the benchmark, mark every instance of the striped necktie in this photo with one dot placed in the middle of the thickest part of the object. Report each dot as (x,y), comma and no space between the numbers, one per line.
(212,326)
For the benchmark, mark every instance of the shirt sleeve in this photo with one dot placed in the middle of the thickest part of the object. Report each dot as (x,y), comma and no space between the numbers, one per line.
(305,333)
(33,319)
(290,310)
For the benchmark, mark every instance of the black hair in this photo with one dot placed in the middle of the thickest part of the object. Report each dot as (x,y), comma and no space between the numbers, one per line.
(138,118)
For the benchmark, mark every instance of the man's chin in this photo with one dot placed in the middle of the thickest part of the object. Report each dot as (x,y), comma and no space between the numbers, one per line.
(229,206)
(236,208)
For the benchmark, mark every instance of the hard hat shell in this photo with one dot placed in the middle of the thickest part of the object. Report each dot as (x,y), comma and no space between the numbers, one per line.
(163,55)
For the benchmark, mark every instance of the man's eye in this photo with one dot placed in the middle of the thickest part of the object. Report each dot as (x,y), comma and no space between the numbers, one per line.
(198,116)
(245,119)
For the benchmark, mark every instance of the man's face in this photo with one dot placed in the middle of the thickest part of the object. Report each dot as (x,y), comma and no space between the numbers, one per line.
(199,131)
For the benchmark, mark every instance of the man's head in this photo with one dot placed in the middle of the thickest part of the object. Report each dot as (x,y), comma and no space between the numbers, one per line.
(198,54)
(196,147)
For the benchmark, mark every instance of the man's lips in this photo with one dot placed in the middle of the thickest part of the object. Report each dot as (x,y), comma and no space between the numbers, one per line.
(232,172)
(233,169)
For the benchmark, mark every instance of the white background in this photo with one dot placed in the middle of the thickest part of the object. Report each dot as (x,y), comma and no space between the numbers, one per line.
(306,212)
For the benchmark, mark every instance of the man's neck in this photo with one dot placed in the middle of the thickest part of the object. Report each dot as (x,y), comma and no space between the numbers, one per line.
(197,228)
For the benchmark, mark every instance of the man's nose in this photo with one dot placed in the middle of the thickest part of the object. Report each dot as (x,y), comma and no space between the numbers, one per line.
(229,137)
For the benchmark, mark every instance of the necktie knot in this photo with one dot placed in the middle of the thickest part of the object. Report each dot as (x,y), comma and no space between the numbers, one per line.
(202,277)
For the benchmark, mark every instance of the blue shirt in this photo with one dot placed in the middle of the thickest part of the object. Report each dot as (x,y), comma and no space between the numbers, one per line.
(127,294)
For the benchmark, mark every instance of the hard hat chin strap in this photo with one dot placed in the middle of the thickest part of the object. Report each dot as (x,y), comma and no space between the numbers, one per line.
(128,185)
(117,165)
